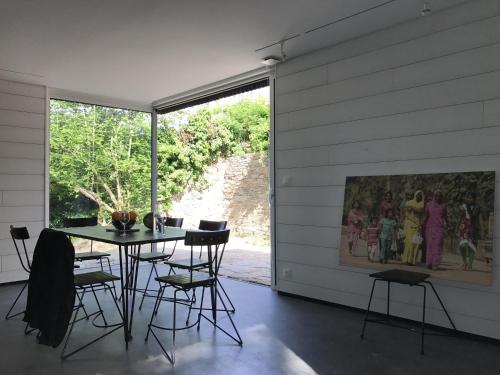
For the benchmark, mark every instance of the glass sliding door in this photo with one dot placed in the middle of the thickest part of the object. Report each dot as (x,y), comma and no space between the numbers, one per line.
(213,163)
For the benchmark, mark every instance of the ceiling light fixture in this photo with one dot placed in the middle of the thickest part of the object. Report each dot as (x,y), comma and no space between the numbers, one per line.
(271,60)
(274,60)
(426,9)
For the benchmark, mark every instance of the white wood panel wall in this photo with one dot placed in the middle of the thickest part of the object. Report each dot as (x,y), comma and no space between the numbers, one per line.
(421,97)
(22,168)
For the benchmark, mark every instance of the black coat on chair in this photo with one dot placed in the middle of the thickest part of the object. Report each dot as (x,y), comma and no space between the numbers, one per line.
(51,290)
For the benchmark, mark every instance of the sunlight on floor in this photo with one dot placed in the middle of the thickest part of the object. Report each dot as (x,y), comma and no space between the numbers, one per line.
(259,339)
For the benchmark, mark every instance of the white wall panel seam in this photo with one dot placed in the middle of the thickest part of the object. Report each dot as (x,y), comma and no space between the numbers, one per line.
(395,114)
(391,138)
(390,68)
(389,161)
(396,91)
(431,33)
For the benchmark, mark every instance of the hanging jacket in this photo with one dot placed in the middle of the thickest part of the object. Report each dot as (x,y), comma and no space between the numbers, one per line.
(51,290)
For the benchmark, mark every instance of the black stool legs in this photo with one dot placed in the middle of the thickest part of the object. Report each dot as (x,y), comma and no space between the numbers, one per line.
(382,321)
(424,304)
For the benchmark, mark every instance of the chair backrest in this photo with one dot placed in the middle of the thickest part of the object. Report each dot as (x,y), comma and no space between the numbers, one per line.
(214,241)
(80,222)
(212,225)
(174,222)
(196,238)
(19,236)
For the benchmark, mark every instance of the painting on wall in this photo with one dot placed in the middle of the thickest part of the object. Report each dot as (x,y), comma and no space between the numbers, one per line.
(441,224)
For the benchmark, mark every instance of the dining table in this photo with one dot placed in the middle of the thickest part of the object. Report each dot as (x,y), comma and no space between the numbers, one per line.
(130,243)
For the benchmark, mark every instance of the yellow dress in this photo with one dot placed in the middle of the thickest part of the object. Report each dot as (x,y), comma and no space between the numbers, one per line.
(412,224)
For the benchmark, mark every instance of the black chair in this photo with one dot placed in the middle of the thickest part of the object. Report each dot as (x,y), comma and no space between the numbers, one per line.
(154,257)
(211,225)
(87,255)
(93,281)
(215,243)
(202,264)
(54,255)
(19,236)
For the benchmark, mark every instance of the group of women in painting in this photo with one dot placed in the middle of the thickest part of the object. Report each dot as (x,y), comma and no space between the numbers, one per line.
(413,230)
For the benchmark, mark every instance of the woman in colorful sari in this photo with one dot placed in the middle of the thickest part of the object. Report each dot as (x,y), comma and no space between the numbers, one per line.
(435,227)
(355,222)
(468,230)
(412,225)
(388,203)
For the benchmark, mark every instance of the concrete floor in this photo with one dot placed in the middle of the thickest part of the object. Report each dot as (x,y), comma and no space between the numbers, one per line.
(281,335)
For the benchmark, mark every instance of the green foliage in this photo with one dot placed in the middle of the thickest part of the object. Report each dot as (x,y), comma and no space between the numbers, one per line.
(100,157)
(190,141)
(248,122)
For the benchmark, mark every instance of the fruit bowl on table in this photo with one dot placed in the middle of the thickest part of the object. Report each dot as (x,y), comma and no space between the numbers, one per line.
(115,220)
(118,225)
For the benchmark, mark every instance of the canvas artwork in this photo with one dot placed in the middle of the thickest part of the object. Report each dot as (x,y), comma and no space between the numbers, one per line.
(440,224)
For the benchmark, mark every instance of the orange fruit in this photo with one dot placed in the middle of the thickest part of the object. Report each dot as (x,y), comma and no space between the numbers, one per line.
(115,216)
(132,215)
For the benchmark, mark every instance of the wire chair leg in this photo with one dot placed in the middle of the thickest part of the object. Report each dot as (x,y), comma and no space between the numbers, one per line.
(161,298)
(8,316)
(133,292)
(156,273)
(63,356)
(27,330)
(213,299)
(75,319)
(98,305)
(80,298)
(147,286)
(191,302)
(174,328)
(115,300)
(102,270)
(153,313)
(227,297)
(131,276)
(239,341)
(201,308)
(111,272)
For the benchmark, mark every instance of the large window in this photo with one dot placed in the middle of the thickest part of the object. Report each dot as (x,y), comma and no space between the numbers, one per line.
(100,161)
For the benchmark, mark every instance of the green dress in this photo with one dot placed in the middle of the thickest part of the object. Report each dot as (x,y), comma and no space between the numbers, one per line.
(387,226)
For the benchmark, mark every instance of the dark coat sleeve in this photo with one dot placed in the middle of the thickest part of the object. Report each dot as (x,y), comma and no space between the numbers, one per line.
(51,291)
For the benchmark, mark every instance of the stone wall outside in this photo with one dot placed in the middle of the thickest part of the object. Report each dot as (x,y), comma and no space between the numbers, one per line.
(237,190)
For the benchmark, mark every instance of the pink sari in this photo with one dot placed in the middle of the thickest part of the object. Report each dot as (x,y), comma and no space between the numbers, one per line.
(435,227)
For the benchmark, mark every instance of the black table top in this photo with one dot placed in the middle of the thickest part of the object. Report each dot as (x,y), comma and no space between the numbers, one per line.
(143,236)
(401,276)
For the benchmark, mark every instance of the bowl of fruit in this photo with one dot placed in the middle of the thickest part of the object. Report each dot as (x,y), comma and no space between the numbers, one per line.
(129,218)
